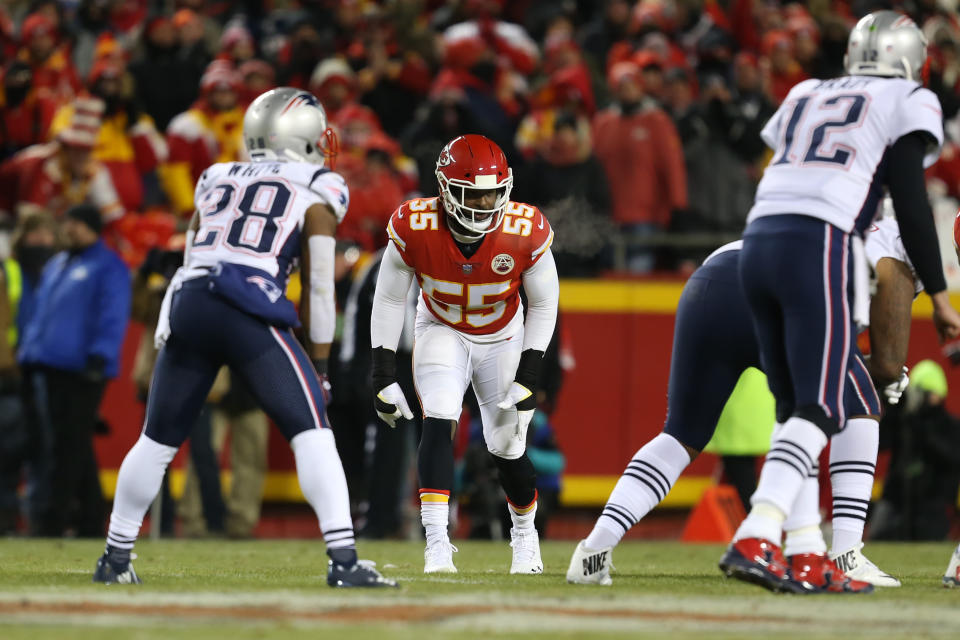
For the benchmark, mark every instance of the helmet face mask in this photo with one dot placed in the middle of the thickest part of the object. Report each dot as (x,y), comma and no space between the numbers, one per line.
(470,169)
(291,124)
(886,43)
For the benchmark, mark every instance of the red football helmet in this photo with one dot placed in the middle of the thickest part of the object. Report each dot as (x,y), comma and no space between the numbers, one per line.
(473,163)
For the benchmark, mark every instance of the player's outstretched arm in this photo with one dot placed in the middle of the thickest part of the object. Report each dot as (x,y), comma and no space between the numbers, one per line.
(386,323)
(890,327)
(318,312)
(917,230)
(890,320)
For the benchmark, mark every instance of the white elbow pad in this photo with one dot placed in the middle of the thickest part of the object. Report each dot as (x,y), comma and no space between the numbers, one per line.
(323,312)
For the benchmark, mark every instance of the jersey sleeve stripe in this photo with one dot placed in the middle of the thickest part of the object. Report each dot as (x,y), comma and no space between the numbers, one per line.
(317,174)
(400,243)
(546,245)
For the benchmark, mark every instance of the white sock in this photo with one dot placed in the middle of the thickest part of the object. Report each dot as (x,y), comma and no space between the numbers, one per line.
(802,526)
(523,518)
(324,486)
(644,484)
(794,450)
(853,461)
(138,483)
(434,514)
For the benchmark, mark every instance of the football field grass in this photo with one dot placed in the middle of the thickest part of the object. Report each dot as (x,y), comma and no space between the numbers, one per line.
(276,589)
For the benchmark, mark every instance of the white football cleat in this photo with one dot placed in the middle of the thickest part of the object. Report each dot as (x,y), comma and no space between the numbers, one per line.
(526,551)
(857,566)
(590,566)
(438,556)
(951,577)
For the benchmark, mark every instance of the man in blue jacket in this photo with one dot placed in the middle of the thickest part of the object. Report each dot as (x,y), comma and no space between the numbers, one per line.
(70,348)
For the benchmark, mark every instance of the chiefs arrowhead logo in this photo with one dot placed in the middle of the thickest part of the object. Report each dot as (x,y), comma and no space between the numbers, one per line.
(445,159)
(502,264)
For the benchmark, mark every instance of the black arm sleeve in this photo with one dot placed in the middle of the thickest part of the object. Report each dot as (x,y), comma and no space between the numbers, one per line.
(909,192)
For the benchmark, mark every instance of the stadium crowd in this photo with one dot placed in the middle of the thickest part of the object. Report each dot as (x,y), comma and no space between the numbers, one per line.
(627,121)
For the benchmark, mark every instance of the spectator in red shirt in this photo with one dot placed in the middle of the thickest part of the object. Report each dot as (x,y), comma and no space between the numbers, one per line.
(128,144)
(208,132)
(257,77)
(25,116)
(375,190)
(56,176)
(785,71)
(236,45)
(335,83)
(53,72)
(638,146)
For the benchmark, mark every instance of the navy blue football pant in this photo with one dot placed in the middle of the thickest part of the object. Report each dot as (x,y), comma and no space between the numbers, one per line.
(206,333)
(714,342)
(797,275)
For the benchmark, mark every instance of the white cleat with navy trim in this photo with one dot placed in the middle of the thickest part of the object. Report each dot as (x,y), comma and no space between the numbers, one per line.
(590,566)
(857,566)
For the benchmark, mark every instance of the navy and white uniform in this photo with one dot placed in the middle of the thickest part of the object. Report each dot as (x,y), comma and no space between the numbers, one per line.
(230,307)
(823,187)
(714,342)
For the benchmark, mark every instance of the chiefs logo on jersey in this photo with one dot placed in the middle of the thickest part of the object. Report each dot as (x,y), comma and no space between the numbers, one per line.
(502,264)
(476,294)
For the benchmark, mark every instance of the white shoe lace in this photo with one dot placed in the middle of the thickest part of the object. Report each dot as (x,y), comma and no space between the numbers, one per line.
(524,544)
(440,551)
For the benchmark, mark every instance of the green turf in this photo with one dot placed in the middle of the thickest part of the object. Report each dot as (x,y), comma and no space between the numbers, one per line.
(268,589)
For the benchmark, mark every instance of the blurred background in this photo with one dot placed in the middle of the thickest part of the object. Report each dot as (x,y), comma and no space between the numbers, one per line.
(634,125)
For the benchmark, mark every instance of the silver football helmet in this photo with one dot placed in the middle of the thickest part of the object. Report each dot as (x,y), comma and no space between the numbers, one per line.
(288,123)
(886,43)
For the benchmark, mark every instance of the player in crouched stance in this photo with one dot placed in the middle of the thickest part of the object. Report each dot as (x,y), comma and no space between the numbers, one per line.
(470,249)
(254,222)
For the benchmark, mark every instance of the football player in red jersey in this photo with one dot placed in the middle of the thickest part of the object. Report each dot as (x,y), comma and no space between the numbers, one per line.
(470,249)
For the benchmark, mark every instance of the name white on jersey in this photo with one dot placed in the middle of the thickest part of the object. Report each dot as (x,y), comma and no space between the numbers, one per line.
(829,138)
(251,213)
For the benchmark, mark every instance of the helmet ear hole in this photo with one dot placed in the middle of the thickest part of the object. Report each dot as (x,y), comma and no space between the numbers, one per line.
(309,148)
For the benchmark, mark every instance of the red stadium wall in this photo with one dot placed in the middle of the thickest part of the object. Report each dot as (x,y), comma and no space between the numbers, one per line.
(612,402)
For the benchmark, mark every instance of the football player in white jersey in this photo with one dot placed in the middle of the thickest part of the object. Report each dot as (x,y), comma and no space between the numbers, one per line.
(254,223)
(713,345)
(837,143)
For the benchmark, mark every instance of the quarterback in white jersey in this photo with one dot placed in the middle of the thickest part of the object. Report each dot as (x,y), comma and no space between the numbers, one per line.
(837,144)
(713,345)
(254,222)
(830,138)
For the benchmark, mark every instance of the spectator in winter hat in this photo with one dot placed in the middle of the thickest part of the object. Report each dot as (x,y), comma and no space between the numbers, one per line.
(210,131)
(58,175)
(128,143)
(53,72)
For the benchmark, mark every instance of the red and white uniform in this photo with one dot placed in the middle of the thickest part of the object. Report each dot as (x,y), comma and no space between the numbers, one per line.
(477,295)
(470,324)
